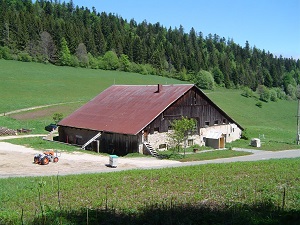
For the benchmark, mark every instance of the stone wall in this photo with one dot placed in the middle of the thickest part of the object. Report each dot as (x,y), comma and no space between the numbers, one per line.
(161,141)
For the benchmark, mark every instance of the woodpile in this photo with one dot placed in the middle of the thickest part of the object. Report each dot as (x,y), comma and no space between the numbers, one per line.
(6,132)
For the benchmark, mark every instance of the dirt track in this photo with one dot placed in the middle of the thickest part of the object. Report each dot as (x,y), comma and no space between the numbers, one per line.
(17,161)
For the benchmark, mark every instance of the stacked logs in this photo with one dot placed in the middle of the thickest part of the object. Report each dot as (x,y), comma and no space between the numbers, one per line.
(6,132)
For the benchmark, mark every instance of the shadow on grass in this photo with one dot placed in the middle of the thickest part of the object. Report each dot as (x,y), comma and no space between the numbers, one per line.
(204,213)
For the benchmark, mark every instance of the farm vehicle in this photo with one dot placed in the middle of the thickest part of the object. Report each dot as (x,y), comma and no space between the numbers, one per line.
(46,157)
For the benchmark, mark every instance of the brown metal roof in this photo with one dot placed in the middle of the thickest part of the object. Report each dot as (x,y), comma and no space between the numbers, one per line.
(125,109)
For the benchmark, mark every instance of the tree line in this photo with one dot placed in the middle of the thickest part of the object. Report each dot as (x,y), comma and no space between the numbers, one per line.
(65,34)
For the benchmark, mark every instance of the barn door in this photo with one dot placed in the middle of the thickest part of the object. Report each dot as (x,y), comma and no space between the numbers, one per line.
(222,142)
(146,133)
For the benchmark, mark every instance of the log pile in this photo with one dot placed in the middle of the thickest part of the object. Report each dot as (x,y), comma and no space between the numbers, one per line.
(6,132)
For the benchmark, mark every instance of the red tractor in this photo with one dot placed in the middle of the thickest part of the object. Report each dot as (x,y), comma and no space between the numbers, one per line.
(45,158)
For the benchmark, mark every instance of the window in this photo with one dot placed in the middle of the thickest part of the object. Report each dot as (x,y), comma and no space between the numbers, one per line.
(224,121)
(206,123)
(216,122)
(190,142)
(162,146)
(156,129)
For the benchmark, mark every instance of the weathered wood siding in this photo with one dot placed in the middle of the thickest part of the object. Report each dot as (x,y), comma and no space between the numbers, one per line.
(119,144)
(192,105)
(75,136)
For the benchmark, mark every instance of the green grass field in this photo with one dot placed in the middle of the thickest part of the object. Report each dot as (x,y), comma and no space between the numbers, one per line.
(265,192)
(275,123)
(25,85)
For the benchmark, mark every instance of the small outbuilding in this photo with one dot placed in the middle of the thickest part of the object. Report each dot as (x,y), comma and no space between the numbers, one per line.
(133,118)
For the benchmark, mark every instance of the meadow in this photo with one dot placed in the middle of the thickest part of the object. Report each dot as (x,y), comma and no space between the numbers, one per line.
(25,85)
(265,192)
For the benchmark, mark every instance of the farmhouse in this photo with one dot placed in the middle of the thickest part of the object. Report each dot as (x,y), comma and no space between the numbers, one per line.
(136,118)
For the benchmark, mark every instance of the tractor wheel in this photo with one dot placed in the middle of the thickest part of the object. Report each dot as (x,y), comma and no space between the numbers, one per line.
(36,159)
(45,161)
(55,159)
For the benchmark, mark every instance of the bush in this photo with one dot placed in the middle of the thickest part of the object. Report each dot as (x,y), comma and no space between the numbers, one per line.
(247,92)
(136,68)
(273,95)
(93,62)
(245,134)
(259,104)
(5,53)
(74,61)
(111,61)
(264,93)
(280,93)
(24,57)
(205,80)
(291,91)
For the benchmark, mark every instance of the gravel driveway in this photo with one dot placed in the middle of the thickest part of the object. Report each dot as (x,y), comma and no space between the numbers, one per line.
(17,161)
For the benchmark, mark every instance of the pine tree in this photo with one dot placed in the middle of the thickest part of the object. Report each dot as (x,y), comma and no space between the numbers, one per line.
(64,55)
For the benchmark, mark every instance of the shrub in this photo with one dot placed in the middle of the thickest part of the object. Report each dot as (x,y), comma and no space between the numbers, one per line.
(74,61)
(291,91)
(24,57)
(124,63)
(247,92)
(205,80)
(273,95)
(264,93)
(111,61)
(259,104)
(5,53)
(245,134)
(218,75)
(280,93)
(57,117)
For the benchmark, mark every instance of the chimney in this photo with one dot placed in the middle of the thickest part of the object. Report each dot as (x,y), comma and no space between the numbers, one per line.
(159,88)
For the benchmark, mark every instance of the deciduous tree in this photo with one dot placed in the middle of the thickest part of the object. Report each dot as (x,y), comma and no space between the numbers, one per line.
(181,130)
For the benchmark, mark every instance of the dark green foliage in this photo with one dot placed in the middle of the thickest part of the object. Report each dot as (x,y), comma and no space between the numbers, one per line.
(273,95)
(51,31)
(259,104)
(218,75)
(245,134)
(247,92)
(57,117)
(264,93)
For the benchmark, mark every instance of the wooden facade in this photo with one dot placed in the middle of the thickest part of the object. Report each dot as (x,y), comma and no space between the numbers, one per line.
(191,105)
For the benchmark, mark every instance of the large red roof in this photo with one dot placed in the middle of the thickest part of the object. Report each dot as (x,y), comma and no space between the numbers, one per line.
(125,109)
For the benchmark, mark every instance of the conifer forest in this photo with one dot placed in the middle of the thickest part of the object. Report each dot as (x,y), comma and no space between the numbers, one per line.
(64,34)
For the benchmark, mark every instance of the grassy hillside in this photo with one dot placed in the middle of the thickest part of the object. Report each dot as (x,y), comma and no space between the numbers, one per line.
(276,121)
(31,84)
(25,85)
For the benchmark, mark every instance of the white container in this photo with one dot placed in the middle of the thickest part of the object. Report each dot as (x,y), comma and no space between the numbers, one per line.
(255,142)
(113,161)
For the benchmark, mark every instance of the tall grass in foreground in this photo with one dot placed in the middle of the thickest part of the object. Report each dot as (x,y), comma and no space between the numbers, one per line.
(265,192)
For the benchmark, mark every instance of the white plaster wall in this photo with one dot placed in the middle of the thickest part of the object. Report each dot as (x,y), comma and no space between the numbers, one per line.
(231,131)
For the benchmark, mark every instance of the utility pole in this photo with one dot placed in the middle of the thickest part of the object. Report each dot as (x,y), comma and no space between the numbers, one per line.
(298,123)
